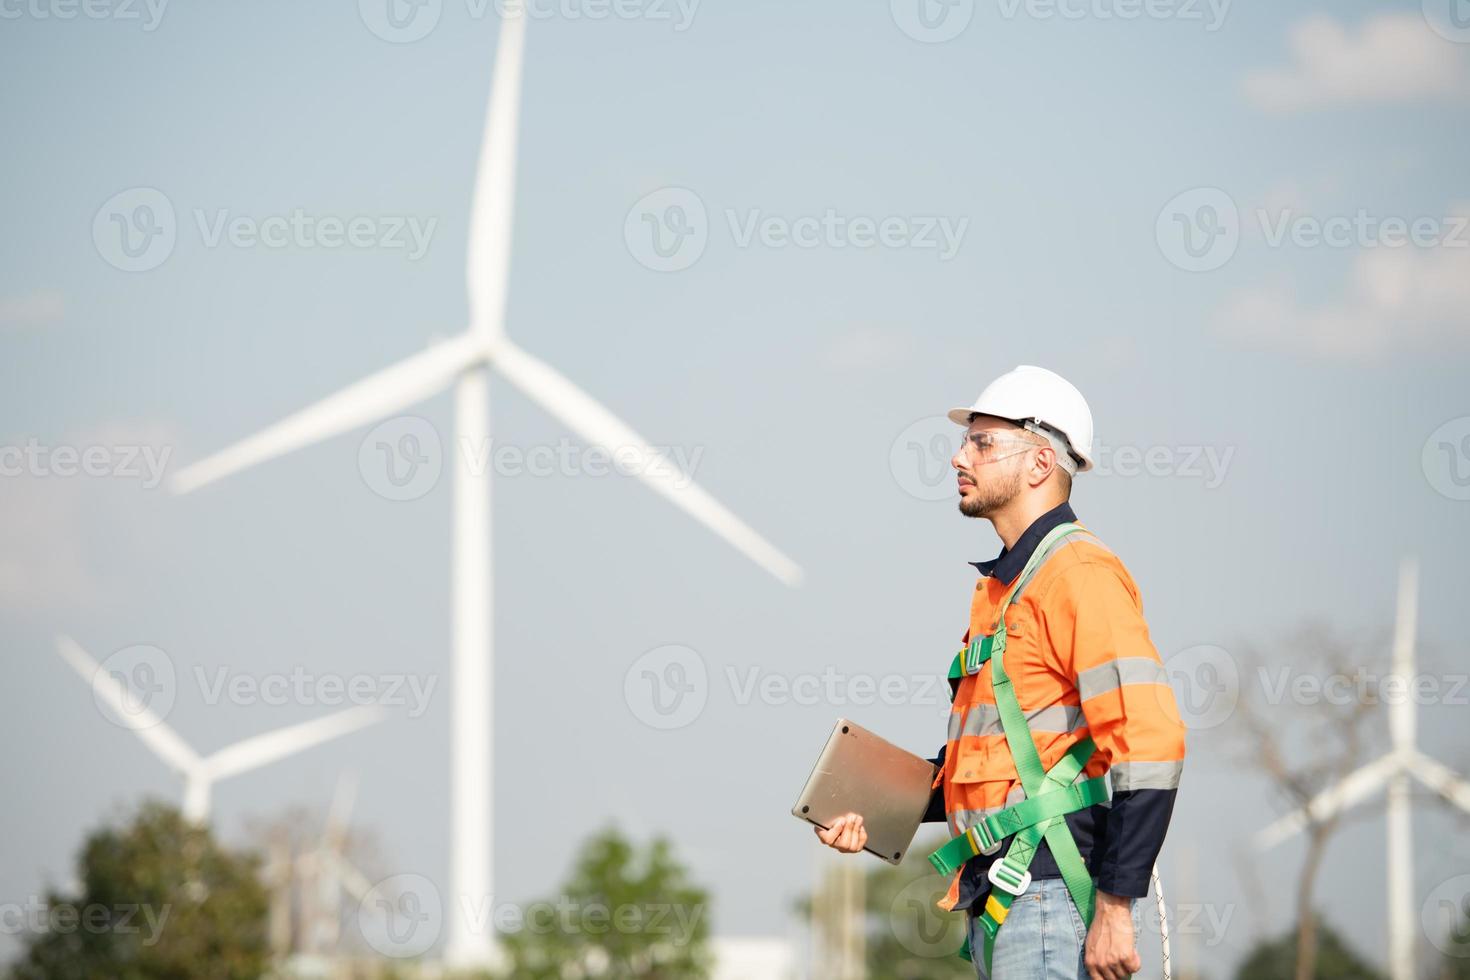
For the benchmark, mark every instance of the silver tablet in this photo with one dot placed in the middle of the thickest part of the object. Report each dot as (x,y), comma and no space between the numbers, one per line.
(858,772)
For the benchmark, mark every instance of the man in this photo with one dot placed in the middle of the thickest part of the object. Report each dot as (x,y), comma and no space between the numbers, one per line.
(1072,685)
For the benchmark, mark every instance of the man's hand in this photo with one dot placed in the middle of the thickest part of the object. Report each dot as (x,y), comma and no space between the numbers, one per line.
(846,834)
(1110,954)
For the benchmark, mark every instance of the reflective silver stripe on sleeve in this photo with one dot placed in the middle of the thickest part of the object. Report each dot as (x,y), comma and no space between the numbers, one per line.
(962,820)
(984,719)
(1114,674)
(1145,775)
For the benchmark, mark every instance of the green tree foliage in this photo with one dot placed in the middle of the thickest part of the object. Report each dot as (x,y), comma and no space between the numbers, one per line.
(1275,959)
(159,900)
(622,914)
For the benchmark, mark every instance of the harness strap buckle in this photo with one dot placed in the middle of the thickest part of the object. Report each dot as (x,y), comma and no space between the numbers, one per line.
(1008,879)
(984,841)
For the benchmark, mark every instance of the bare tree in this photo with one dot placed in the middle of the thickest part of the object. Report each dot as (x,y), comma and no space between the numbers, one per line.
(1306,724)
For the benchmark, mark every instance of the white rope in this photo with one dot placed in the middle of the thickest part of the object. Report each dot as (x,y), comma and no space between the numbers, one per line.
(1163,920)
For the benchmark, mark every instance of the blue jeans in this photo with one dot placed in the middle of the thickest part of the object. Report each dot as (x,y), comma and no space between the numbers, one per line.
(1042,939)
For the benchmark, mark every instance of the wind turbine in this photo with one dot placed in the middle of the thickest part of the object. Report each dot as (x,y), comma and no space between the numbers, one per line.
(202,772)
(464,361)
(1391,770)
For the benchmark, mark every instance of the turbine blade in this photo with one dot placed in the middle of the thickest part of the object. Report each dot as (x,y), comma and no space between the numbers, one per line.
(341,810)
(143,721)
(580,412)
(1331,801)
(353,882)
(410,380)
(487,262)
(259,750)
(1442,779)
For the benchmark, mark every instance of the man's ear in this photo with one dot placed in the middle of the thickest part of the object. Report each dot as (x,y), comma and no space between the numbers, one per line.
(1046,461)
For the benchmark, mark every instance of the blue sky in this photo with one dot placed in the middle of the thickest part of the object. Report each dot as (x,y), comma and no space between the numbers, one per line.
(1326,379)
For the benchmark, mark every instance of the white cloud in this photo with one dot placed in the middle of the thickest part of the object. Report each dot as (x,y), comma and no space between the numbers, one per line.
(1402,298)
(70,541)
(44,306)
(1391,58)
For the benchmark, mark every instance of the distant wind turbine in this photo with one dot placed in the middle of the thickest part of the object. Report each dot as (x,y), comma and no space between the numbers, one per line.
(1391,770)
(200,773)
(463,361)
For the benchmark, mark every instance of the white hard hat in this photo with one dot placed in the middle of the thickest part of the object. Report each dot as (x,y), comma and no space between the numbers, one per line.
(1044,398)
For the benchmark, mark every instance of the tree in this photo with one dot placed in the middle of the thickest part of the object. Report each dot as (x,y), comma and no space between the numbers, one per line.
(159,900)
(623,914)
(1276,959)
(906,937)
(1335,734)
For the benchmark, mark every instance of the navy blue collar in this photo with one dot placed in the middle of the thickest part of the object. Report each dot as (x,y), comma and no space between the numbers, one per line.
(1008,564)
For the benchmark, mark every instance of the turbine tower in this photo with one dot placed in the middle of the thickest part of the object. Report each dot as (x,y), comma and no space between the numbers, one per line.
(464,361)
(202,772)
(1393,771)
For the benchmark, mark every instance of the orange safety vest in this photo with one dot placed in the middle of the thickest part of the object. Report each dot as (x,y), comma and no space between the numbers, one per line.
(1081,663)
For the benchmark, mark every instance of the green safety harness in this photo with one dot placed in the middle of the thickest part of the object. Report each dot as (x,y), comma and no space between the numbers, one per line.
(1050,794)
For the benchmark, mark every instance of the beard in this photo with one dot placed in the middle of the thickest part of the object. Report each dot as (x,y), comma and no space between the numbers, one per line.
(985,500)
